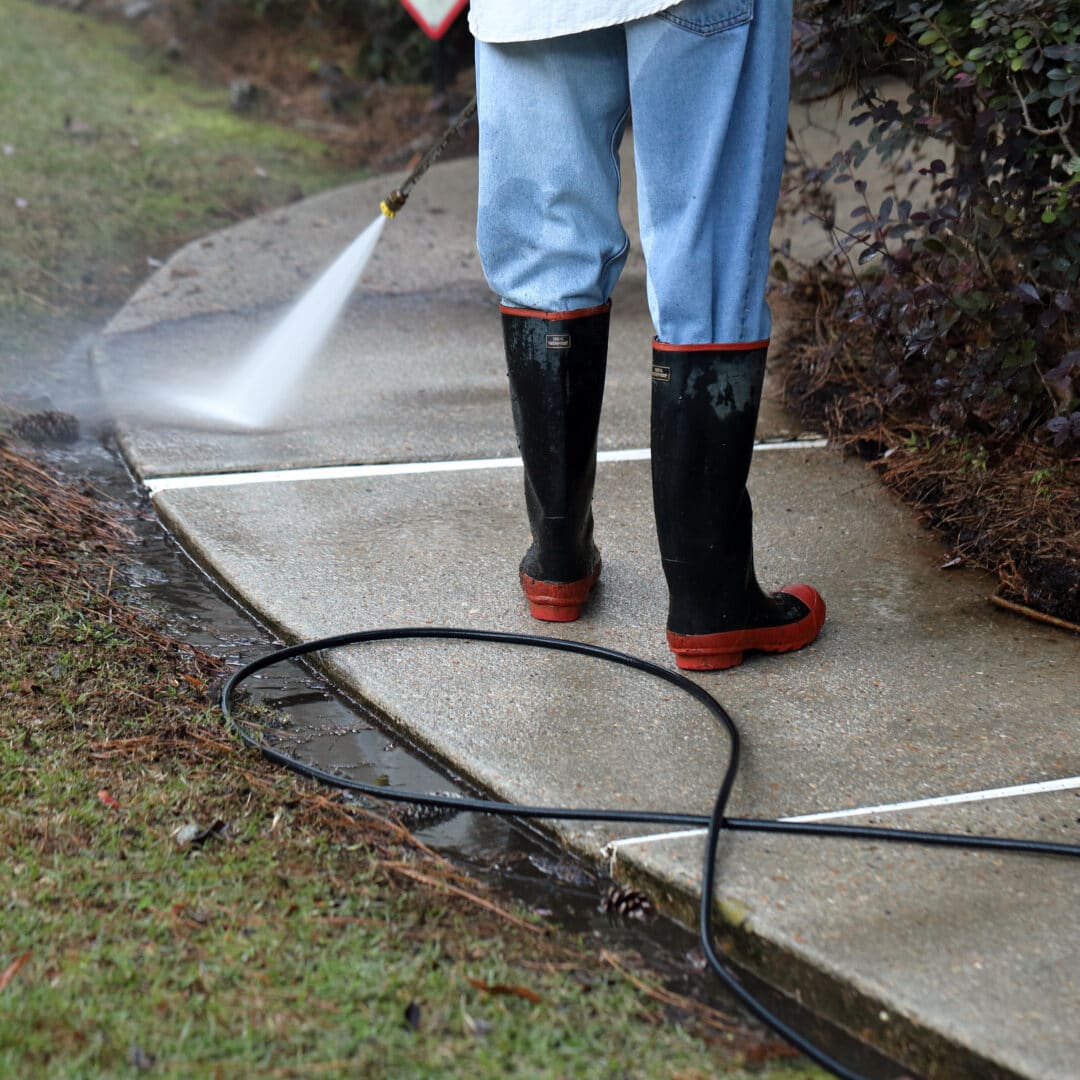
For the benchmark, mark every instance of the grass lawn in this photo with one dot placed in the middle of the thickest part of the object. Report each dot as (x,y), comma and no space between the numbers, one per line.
(111,154)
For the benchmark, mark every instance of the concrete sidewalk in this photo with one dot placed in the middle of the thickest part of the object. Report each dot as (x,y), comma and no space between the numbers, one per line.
(958,964)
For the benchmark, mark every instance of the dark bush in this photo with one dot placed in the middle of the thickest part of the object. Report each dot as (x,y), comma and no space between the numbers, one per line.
(390,44)
(974,299)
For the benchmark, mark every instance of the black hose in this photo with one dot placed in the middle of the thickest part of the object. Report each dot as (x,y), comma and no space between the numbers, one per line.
(716,823)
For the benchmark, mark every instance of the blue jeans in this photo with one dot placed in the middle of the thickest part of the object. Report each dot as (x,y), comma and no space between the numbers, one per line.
(707,81)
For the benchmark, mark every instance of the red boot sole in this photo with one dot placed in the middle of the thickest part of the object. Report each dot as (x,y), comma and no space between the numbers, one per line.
(717,652)
(558,601)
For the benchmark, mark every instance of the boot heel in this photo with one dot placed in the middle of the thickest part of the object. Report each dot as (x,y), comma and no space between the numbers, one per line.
(558,601)
(690,659)
(554,612)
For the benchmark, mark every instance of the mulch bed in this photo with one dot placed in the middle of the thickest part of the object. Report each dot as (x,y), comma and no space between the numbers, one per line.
(1007,505)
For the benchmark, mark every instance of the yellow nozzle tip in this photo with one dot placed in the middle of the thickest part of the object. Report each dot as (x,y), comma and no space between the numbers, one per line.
(385,208)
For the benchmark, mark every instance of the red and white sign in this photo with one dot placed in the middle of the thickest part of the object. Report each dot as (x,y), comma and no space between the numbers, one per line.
(434,16)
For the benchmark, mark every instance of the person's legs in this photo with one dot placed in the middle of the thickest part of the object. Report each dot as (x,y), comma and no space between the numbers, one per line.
(552,246)
(709,89)
(709,148)
(551,117)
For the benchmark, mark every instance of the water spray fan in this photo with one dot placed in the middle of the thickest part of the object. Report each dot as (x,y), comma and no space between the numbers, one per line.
(256,393)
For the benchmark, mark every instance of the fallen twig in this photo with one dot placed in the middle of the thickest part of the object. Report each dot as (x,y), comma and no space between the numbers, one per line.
(705,1013)
(445,886)
(1032,613)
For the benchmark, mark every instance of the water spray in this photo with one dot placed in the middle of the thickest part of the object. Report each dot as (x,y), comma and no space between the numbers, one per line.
(256,393)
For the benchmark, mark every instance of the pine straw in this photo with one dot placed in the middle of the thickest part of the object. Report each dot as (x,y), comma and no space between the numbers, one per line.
(67,543)
(63,538)
(1007,505)
(1005,517)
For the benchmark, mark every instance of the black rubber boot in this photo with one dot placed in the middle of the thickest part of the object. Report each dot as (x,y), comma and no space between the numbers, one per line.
(705,404)
(556,363)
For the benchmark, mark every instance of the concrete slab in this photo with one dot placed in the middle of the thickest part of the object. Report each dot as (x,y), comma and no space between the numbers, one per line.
(267,260)
(409,377)
(960,964)
(907,684)
(912,691)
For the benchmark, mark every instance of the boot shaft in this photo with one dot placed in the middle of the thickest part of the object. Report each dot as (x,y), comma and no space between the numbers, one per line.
(556,363)
(705,403)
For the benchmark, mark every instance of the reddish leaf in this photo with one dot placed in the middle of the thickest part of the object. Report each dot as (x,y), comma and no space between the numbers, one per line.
(12,970)
(108,800)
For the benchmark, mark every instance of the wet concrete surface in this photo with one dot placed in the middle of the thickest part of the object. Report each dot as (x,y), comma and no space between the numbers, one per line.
(916,688)
(433,550)
(963,964)
(318,726)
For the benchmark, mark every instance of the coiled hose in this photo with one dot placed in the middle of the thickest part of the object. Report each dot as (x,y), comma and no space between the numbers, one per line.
(716,823)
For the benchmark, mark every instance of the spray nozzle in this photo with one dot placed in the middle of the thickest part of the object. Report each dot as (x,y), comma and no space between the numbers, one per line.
(393,202)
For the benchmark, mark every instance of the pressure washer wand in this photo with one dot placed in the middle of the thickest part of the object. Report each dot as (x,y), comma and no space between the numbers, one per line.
(396,199)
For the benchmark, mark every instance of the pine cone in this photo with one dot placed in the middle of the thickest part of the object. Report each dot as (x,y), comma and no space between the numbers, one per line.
(48,426)
(623,902)
(423,815)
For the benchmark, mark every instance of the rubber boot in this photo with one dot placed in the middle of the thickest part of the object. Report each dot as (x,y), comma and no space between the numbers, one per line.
(556,363)
(705,402)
